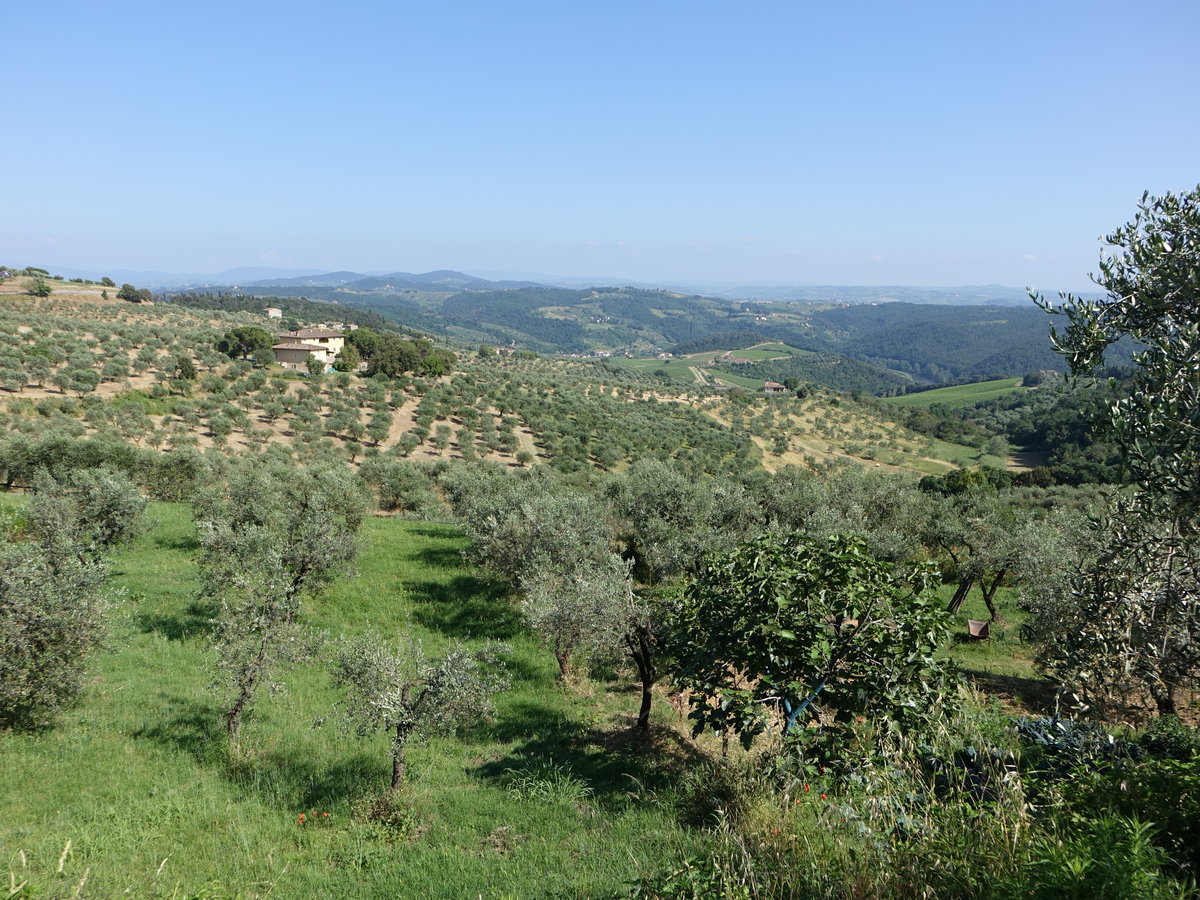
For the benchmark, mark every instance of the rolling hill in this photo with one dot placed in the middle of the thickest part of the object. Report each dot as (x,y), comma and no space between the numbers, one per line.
(902,341)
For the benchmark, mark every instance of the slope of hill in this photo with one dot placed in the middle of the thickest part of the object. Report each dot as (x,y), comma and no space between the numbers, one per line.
(929,343)
(79,365)
(940,343)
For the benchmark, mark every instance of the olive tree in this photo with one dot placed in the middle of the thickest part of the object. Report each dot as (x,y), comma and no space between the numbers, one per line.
(669,519)
(84,512)
(53,614)
(577,607)
(1137,609)
(885,510)
(556,545)
(270,538)
(411,694)
(52,618)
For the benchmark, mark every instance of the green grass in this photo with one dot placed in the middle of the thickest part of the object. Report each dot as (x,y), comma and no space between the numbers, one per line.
(961,394)
(1003,653)
(138,777)
(777,349)
(960,454)
(753,384)
(151,405)
(678,369)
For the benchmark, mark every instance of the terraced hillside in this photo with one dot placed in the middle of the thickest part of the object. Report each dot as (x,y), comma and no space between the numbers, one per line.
(78,365)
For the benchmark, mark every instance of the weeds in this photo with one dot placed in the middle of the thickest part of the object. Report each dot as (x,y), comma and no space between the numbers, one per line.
(547,782)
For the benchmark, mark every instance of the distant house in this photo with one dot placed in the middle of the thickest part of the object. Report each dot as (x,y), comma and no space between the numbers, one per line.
(296,348)
(296,354)
(273,313)
(774,387)
(324,337)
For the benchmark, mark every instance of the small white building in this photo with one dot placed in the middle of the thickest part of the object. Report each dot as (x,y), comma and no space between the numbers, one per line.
(774,387)
(273,313)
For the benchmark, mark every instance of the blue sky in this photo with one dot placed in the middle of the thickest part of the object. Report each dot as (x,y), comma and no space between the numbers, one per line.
(932,143)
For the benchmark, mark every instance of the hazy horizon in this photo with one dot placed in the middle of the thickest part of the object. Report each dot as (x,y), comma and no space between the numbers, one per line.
(943,145)
(255,274)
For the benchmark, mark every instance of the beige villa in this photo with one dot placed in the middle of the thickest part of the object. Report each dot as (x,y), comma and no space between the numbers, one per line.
(296,348)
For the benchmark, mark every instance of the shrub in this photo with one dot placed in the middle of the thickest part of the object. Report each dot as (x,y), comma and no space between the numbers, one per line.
(1111,856)
(387,811)
(52,616)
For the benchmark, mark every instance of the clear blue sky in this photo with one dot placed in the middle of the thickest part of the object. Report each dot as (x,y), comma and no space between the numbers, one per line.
(931,143)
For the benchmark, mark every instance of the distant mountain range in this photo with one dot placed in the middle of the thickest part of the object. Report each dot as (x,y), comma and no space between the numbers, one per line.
(448,281)
(440,281)
(902,341)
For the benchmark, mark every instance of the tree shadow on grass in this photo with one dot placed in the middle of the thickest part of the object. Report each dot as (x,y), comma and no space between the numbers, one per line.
(440,557)
(188,726)
(194,619)
(465,607)
(1036,696)
(436,531)
(292,778)
(296,781)
(613,763)
(187,544)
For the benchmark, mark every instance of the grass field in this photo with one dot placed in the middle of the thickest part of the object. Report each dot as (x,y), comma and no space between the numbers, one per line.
(678,369)
(751,384)
(962,455)
(681,368)
(961,394)
(138,779)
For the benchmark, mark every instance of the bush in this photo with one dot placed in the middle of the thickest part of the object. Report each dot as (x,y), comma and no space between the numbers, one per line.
(1165,792)
(52,616)
(1168,738)
(1060,746)
(1111,856)
(387,811)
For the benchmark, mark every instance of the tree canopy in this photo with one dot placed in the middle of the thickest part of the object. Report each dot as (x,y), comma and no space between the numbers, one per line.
(247,341)
(784,626)
(1133,616)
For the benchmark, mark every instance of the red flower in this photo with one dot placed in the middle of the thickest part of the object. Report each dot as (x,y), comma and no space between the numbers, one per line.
(806,788)
(824,797)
